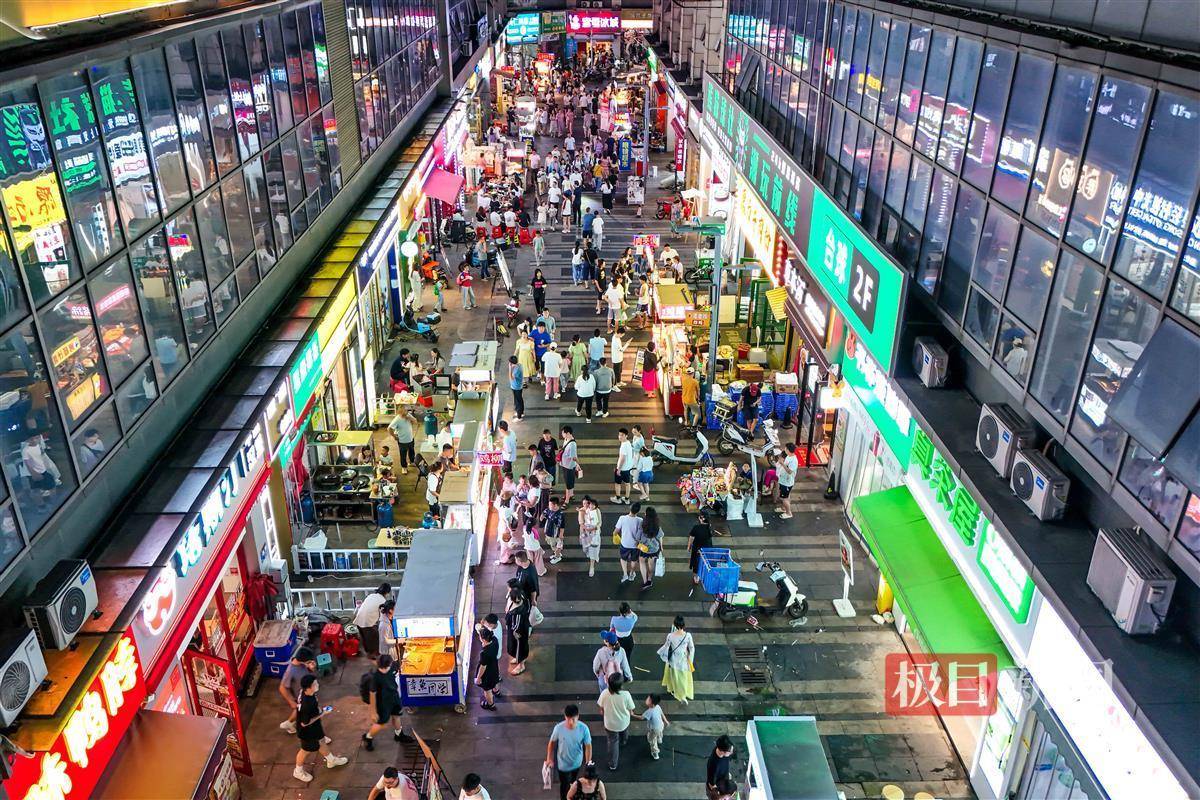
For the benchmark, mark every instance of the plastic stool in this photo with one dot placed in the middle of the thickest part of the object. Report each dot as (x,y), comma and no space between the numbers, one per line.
(330,794)
(923,796)
(892,792)
(324,664)
(333,635)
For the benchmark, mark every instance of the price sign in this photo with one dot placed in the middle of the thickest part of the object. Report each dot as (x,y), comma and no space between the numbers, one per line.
(489,458)
(638,362)
(422,686)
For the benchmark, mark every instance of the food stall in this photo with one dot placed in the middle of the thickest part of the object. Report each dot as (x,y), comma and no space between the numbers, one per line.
(342,475)
(672,304)
(526,109)
(785,760)
(434,620)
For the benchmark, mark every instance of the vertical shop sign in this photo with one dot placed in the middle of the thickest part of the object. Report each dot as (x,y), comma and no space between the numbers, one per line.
(305,375)
(625,154)
(883,405)
(1006,575)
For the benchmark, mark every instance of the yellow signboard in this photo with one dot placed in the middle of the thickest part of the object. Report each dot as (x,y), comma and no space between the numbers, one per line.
(33,204)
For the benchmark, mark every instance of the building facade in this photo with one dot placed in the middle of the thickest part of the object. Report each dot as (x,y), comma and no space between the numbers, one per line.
(1023,192)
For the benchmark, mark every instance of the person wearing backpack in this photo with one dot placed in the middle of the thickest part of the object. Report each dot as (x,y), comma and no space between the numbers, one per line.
(610,659)
(383,693)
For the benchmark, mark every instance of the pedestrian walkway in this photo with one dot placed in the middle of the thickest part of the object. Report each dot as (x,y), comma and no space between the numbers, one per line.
(829,667)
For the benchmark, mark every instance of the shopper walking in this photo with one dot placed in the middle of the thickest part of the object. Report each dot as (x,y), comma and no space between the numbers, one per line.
(587,786)
(366,619)
(516,382)
(517,628)
(302,663)
(386,629)
(577,356)
(617,352)
(649,545)
(552,370)
(472,787)
(678,653)
(650,371)
(700,537)
(786,469)
(718,766)
(618,705)
(568,462)
(569,748)
(623,472)
(465,281)
(627,530)
(610,659)
(487,676)
(595,347)
(604,386)
(385,699)
(537,286)
(309,730)
(590,520)
(394,785)
(402,431)
(656,723)
(539,245)
(622,625)
(542,338)
(598,232)
(585,392)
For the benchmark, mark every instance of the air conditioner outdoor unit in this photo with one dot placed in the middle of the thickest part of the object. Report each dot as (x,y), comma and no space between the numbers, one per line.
(61,603)
(930,361)
(1000,434)
(1040,484)
(1131,580)
(22,668)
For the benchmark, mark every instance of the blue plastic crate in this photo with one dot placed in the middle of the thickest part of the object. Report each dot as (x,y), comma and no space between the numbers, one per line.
(766,405)
(275,668)
(718,572)
(276,641)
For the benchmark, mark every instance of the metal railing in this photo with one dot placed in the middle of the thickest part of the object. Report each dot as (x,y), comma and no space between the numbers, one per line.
(390,559)
(334,598)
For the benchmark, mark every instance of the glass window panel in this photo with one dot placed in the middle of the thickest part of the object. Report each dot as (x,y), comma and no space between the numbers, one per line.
(279,72)
(834,141)
(183,244)
(871,83)
(1107,167)
(876,182)
(987,115)
(237,217)
(1062,141)
(969,211)
(997,243)
(32,198)
(1125,325)
(214,238)
(260,81)
(12,298)
(331,139)
(299,221)
(321,52)
(1031,275)
(81,166)
(77,367)
(849,141)
(220,111)
(277,194)
(910,86)
(291,44)
(247,277)
(11,542)
(1018,145)
(1186,297)
(933,100)
(136,395)
(156,295)
(241,92)
(936,229)
(1183,459)
(158,111)
(1157,217)
(981,318)
(309,60)
(260,215)
(1155,488)
(915,203)
(858,63)
(36,461)
(1158,395)
(225,299)
(308,160)
(1014,348)
(897,179)
(118,318)
(1066,332)
(97,439)
(128,160)
(893,67)
(862,163)
(1189,527)
(957,121)
(193,117)
(289,151)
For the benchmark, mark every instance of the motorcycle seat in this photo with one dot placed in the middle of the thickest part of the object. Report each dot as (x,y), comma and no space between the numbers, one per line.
(666,439)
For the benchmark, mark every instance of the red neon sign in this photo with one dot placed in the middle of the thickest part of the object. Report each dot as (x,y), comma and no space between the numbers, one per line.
(73,765)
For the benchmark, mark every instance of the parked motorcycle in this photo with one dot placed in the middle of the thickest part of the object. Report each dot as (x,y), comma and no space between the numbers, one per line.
(744,604)
(665,450)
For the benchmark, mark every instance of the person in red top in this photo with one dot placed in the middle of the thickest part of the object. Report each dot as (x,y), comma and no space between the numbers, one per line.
(464,282)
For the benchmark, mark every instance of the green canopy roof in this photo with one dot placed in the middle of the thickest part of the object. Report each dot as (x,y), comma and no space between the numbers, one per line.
(937,601)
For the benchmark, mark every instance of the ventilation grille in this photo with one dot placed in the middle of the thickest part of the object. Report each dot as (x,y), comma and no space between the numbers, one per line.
(71,613)
(1022,480)
(15,686)
(345,106)
(989,436)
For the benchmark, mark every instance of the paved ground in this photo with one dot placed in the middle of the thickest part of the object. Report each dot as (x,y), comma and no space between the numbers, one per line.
(829,667)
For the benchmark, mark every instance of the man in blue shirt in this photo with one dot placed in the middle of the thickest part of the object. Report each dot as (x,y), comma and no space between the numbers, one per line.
(516,382)
(541,342)
(588,219)
(596,346)
(569,748)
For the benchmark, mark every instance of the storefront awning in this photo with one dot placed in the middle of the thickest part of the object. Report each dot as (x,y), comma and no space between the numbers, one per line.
(151,762)
(937,601)
(443,185)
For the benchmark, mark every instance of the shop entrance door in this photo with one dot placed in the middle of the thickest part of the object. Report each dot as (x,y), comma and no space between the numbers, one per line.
(212,687)
(810,419)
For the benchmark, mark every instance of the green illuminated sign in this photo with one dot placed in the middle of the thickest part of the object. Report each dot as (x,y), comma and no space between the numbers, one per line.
(873,390)
(1006,575)
(305,375)
(523,28)
(962,511)
(554,22)
(860,280)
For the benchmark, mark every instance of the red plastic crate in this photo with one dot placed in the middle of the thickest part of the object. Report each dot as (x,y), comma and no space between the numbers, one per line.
(333,638)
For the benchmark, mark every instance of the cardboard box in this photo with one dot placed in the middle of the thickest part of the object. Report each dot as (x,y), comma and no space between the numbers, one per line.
(750,372)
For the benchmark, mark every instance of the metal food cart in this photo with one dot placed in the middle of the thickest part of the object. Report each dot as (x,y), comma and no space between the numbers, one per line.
(435,615)
(786,760)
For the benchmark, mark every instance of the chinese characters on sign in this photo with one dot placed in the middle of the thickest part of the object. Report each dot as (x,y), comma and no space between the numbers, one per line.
(950,684)
(523,28)
(420,686)
(756,226)
(581,22)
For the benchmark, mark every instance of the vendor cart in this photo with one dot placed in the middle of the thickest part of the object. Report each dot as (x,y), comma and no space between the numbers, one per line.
(435,614)
(786,760)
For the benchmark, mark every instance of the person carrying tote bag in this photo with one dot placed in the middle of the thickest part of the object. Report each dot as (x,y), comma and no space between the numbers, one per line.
(677,654)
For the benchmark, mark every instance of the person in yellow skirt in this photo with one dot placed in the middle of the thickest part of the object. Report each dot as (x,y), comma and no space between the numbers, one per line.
(678,653)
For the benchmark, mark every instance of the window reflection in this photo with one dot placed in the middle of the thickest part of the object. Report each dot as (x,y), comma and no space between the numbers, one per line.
(34,445)
(128,159)
(245,119)
(278,69)
(260,215)
(156,291)
(118,318)
(12,299)
(291,45)
(135,395)
(96,439)
(910,85)
(81,167)
(1186,297)
(260,76)
(960,252)
(32,198)
(154,94)
(216,95)
(214,238)
(225,299)
(1022,123)
(1015,347)
(237,217)
(967,55)
(1062,141)
(933,102)
(987,115)
(981,318)
(77,368)
(1189,526)
(1125,324)
(183,244)
(1155,488)
(11,543)
(1031,275)
(184,68)
(1073,304)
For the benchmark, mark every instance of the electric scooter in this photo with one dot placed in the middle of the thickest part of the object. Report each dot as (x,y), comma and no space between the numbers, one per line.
(664,451)
(743,604)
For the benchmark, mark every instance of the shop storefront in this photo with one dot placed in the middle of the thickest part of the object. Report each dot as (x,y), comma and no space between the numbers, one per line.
(593,33)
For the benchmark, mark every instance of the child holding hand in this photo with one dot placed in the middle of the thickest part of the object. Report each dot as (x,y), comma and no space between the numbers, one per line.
(656,723)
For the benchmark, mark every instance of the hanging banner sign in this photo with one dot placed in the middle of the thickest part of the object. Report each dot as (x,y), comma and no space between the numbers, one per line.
(625,154)
(588,22)
(863,282)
